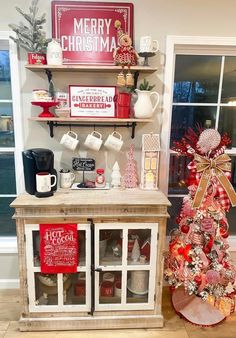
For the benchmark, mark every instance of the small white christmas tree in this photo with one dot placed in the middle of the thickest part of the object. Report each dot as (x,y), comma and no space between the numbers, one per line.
(135,251)
(116,176)
(131,175)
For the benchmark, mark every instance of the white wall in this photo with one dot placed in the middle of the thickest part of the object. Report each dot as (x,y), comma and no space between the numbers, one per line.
(152,17)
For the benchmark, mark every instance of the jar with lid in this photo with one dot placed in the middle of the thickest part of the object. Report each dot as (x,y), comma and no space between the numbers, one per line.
(100,179)
(54,53)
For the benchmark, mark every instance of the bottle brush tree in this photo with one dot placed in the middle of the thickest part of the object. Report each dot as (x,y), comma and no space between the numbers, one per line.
(31,37)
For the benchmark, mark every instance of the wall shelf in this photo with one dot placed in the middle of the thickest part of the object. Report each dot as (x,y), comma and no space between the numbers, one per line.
(88,122)
(88,68)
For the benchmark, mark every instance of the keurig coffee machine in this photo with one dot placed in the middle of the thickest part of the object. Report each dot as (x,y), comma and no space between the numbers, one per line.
(37,161)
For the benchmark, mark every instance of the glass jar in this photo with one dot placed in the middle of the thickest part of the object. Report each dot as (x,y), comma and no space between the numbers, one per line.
(100,179)
(54,53)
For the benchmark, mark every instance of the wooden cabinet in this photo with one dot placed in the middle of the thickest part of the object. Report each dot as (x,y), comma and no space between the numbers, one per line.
(108,224)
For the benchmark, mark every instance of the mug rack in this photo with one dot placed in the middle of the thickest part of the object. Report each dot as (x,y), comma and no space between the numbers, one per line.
(85,122)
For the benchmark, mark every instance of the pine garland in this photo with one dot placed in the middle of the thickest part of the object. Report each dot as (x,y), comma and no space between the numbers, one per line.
(32,37)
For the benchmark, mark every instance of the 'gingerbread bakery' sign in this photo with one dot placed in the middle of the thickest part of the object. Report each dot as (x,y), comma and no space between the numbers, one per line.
(87,29)
(92,101)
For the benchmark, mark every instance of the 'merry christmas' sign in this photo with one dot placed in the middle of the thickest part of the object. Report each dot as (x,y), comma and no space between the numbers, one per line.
(58,248)
(87,29)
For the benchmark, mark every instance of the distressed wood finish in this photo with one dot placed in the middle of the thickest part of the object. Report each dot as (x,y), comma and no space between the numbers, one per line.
(129,206)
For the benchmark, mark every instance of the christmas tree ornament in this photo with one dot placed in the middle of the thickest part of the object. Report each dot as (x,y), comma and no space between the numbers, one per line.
(131,176)
(198,257)
(125,56)
(116,176)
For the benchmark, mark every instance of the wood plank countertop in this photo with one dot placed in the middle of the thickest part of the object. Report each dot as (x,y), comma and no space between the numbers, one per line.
(73,198)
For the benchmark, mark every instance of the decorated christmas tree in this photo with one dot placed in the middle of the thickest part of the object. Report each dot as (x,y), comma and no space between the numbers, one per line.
(198,257)
(131,176)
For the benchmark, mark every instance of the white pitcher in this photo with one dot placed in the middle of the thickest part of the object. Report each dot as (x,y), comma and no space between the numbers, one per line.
(143,107)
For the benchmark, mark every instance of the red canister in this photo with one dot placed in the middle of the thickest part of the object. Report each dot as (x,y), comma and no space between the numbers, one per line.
(80,288)
(123,105)
(107,289)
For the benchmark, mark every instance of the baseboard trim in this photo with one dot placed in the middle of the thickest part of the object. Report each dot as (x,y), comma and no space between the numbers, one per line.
(9,284)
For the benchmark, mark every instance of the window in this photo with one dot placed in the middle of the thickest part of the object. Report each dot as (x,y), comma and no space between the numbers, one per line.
(200,88)
(10,137)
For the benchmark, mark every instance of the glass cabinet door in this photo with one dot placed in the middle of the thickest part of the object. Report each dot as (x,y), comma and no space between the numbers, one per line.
(125,266)
(58,292)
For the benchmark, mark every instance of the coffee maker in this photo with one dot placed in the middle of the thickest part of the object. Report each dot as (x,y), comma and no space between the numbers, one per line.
(35,161)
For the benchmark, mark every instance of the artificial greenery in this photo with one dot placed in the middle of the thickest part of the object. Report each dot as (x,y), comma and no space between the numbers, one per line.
(32,37)
(145,85)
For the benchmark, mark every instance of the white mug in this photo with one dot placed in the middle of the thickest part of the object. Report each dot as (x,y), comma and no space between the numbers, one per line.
(70,140)
(94,140)
(66,179)
(147,44)
(114,141)
(43,181)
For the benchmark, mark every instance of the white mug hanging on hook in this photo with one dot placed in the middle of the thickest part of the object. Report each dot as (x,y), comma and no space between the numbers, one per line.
(70,140)
(54,53)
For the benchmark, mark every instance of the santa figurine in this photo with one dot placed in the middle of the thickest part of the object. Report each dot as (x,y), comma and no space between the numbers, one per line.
(124,55)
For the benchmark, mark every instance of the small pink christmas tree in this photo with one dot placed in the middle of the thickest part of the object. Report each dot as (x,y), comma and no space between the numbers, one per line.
(131,175)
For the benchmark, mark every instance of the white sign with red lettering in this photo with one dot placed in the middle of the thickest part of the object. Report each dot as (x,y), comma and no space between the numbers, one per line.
(92,101)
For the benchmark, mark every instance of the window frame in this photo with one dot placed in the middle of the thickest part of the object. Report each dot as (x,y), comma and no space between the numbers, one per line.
(191,45)
(8,244)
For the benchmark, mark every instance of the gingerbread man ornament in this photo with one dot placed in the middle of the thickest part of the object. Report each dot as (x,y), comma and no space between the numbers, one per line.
(124,55)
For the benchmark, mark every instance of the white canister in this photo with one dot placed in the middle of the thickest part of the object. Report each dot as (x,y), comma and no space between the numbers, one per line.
(54,53)
(108,276)
(139,281)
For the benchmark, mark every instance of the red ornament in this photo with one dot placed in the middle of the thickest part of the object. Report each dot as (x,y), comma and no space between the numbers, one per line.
(184,251)
(178,219)
(206,250)
(185,228)
(225,235)
(198,280)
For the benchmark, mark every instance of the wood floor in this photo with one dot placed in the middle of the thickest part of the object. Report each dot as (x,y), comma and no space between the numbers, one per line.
(174,326)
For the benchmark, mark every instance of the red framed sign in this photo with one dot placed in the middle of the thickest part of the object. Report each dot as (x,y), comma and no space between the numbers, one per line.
(87,31)
(92,101)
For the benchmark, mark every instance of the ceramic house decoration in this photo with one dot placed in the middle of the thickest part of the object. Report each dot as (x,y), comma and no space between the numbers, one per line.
(150,161)
(146,248)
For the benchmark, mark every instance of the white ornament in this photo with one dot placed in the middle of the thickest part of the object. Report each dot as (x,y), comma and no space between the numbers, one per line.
(116,176)
(135,251)
(208,140)
(54,53)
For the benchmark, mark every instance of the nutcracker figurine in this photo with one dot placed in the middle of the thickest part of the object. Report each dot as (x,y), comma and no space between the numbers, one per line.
(124,55)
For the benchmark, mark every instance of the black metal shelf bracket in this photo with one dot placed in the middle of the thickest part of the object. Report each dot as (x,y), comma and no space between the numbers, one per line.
(53,124)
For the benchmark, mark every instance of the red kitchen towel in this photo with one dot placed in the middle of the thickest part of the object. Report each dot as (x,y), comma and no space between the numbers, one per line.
(58,248)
